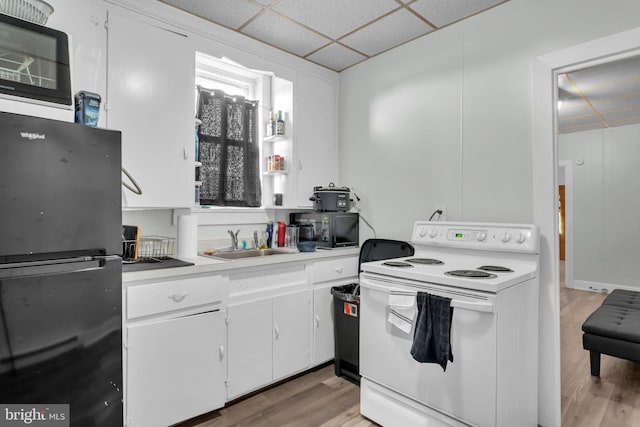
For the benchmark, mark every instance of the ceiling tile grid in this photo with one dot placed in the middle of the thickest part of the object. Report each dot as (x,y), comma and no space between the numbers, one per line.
(445,12)
(599,97)
(336,57)
(335,18)
(336,34)
(382,35)
(290,36)
(228,13)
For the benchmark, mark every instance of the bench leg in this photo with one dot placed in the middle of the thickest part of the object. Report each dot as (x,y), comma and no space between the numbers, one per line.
(595,363)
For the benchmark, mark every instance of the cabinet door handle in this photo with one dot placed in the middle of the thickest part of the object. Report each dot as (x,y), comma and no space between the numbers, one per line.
(221,351)
(277,332)
(339,270)
(178,298)
(317,321)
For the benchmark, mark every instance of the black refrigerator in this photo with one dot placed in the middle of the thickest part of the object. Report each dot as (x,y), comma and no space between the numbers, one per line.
(60,272)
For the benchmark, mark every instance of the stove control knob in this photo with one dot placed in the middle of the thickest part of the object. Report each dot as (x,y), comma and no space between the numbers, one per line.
(433,233)
(522,237)
(422,232)
(481,236)
(506,237)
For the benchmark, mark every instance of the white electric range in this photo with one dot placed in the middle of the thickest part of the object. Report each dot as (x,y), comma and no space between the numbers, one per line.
(489,273)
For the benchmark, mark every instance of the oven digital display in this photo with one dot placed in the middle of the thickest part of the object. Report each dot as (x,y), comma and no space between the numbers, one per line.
(459,235)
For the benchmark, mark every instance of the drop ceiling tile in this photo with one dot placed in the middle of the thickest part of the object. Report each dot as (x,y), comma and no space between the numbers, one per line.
(392,30)
(442,13)
(336,57)
(335,18)
(284,33)
(228,13)
(622,119)
(579,123)
(615,104)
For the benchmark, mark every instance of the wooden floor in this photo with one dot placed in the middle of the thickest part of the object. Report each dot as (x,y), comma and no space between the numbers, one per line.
(613,400)
(316,399)
(320,398)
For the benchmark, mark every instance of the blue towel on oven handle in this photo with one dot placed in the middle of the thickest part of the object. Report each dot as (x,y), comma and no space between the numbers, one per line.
(432,330)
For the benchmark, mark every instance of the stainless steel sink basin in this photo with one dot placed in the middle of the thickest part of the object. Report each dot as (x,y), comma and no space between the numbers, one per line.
(251,253)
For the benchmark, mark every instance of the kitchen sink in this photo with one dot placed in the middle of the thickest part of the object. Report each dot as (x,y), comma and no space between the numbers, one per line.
(252,253)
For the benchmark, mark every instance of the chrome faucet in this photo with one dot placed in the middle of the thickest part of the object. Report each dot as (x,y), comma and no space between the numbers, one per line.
(234,239)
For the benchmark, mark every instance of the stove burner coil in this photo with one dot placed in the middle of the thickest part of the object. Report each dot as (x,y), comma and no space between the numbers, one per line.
(495,269)
(397,264)
(471,274)
(425,261)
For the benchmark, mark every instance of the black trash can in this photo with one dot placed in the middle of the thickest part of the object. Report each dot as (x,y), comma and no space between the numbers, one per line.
(346,314)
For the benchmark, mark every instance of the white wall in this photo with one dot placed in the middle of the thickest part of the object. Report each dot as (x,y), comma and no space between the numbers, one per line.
(606,184)
(467,138)
(446,119)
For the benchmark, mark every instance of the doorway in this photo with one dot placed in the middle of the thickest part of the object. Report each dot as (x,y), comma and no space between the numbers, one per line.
(545,192)
(561,221)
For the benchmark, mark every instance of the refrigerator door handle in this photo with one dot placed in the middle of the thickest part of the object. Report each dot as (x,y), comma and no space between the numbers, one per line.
(106,257)
(67,265)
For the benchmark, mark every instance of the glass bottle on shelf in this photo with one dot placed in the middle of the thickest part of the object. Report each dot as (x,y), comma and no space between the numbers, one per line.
(280,124)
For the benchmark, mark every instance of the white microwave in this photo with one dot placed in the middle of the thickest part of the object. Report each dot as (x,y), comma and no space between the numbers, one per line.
(34,62)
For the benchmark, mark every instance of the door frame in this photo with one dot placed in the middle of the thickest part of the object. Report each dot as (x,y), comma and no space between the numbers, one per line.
(545,70)
(565,169)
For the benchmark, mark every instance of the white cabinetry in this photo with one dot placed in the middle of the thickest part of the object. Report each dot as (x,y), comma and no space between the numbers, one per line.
(316,136)
(291,337)
(151,99)
(269,327)
(326,274)
(175,361)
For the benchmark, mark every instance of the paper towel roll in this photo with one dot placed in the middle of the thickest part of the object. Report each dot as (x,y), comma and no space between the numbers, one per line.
(187,236)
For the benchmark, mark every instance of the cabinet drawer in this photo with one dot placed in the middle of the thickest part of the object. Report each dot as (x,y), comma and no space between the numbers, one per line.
(155,298)
(335,269)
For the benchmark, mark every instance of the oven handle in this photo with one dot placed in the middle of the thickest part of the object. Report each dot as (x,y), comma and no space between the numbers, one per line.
(475,306)
(482,306)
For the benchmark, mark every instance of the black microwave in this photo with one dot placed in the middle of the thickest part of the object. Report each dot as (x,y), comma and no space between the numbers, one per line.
(34,61)
(331,229)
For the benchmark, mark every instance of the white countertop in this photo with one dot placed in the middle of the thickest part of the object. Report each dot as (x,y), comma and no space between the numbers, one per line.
(205,264)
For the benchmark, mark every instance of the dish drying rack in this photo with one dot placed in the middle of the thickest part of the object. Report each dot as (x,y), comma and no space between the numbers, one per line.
(148,249)
(15,67)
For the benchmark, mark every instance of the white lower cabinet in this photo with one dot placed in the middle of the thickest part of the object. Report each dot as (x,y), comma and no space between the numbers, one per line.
(175,369)
(175,350)
(269,339)
(250,346)
(291,335)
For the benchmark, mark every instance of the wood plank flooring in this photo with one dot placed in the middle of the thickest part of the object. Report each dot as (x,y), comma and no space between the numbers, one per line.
(613,400)
(320,399)
(316,399)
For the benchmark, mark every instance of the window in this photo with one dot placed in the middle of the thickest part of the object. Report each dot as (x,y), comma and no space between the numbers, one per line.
(228,133)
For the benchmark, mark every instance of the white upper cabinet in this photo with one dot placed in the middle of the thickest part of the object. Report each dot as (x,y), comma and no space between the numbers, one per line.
(151,99)
(316,135)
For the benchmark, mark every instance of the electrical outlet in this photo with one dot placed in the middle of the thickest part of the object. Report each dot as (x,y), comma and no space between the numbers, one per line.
(443,215)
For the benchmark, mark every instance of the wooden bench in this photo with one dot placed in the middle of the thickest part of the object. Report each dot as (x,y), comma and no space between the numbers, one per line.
(613,329)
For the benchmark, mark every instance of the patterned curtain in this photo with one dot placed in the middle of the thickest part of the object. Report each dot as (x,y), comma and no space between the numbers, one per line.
(228,150)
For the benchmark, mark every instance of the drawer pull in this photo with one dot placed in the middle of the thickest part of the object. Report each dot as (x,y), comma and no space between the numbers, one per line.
(178,298)
(339,270)
(221,351)
(317,321)
(277,332)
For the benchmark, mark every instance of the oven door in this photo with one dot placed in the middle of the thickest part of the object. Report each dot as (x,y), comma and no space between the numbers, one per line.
(466,391)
